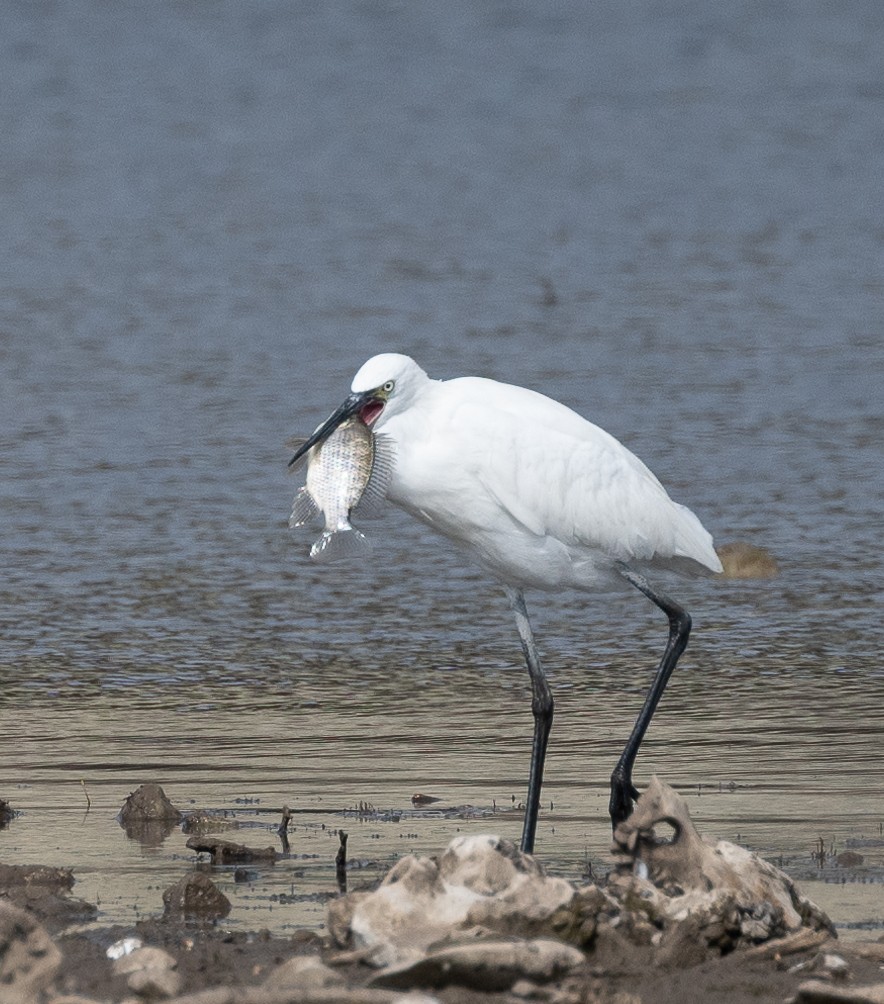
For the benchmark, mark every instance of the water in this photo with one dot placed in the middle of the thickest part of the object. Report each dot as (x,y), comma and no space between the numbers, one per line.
(668,217)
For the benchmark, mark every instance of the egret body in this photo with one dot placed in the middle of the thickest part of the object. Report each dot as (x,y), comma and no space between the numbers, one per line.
(540,498)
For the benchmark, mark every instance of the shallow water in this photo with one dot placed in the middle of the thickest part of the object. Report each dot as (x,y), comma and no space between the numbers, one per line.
(668,219)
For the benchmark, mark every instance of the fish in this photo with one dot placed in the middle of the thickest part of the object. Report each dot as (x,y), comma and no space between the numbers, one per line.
(348,472)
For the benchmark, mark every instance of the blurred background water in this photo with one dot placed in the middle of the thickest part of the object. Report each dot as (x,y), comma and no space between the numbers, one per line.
(668,216)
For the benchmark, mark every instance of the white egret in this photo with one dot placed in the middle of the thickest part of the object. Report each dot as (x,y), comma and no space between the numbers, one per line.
(539,497)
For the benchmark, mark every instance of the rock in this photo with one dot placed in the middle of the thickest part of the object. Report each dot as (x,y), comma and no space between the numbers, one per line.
(148,804)
(732,897)
(74,999)
(832,965)
(28,958)
(202,821)
(670,903)
(195,896)
(32,876)
(7,813)
(225,852)
(486,965)
(747,561)
(43,891)
(873,950)
(849,859)
(148,816)
(480,881)
(339,915)
(155,984)
(820,992)
(306,995)
(125,946)
(151,972)
(779,948)
(146,957)
(307,972)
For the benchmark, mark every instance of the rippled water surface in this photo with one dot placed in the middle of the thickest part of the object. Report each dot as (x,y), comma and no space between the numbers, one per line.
(668,217)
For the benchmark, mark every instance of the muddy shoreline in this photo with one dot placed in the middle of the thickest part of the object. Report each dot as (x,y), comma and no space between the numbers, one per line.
(212,958)
(209,956)
(200,955)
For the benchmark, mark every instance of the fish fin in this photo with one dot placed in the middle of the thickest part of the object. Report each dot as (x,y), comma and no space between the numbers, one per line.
(303,508)
(335,545)
(372,499)
(295,443)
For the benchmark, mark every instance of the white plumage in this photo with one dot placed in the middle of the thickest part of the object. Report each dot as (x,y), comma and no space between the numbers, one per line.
(540,497)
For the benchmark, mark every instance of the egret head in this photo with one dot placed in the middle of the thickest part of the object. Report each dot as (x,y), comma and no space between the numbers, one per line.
(384,385)
(389,383)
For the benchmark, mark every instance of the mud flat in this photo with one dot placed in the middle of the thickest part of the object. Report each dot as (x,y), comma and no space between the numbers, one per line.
(679,918)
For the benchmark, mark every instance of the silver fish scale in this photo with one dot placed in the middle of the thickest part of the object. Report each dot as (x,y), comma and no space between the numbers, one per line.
(339,471)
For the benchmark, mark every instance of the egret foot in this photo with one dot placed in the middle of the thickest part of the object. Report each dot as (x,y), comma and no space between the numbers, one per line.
(623,796)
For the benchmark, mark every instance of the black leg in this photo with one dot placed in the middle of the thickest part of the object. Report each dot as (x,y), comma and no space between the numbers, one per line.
(542,709)
(623,791)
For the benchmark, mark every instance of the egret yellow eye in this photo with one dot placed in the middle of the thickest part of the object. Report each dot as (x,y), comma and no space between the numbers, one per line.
(388,386)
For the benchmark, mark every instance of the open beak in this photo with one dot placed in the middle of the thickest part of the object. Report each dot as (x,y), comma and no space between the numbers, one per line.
(353,404)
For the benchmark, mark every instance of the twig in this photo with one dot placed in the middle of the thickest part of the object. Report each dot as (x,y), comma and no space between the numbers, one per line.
(283,828)
(86,793)
(341,862)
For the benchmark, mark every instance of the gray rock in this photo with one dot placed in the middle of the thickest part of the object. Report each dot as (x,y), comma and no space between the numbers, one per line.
(195,896)
(485,965)
(28,959)
(671,903)
(148,804)
(147,957)
(226,852)
(822,992)
(480,881)
(151,972)
(155,984)
(733,896)
(303,972)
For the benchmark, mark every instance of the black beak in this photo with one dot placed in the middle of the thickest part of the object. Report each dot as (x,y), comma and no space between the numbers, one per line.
(350,407)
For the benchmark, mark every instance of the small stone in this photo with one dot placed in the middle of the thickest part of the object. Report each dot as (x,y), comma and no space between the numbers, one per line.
(151,972)
(485,965)
(143,958)
(148,804)
(195,895)
(125,946)
(524,989)
(849,859)
(28,958)
(303,971)
(155,984)
(822,992)
(73,999)
(833,965)
(202,821)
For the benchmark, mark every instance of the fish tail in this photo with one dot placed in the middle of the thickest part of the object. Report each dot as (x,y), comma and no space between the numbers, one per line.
(335,545)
